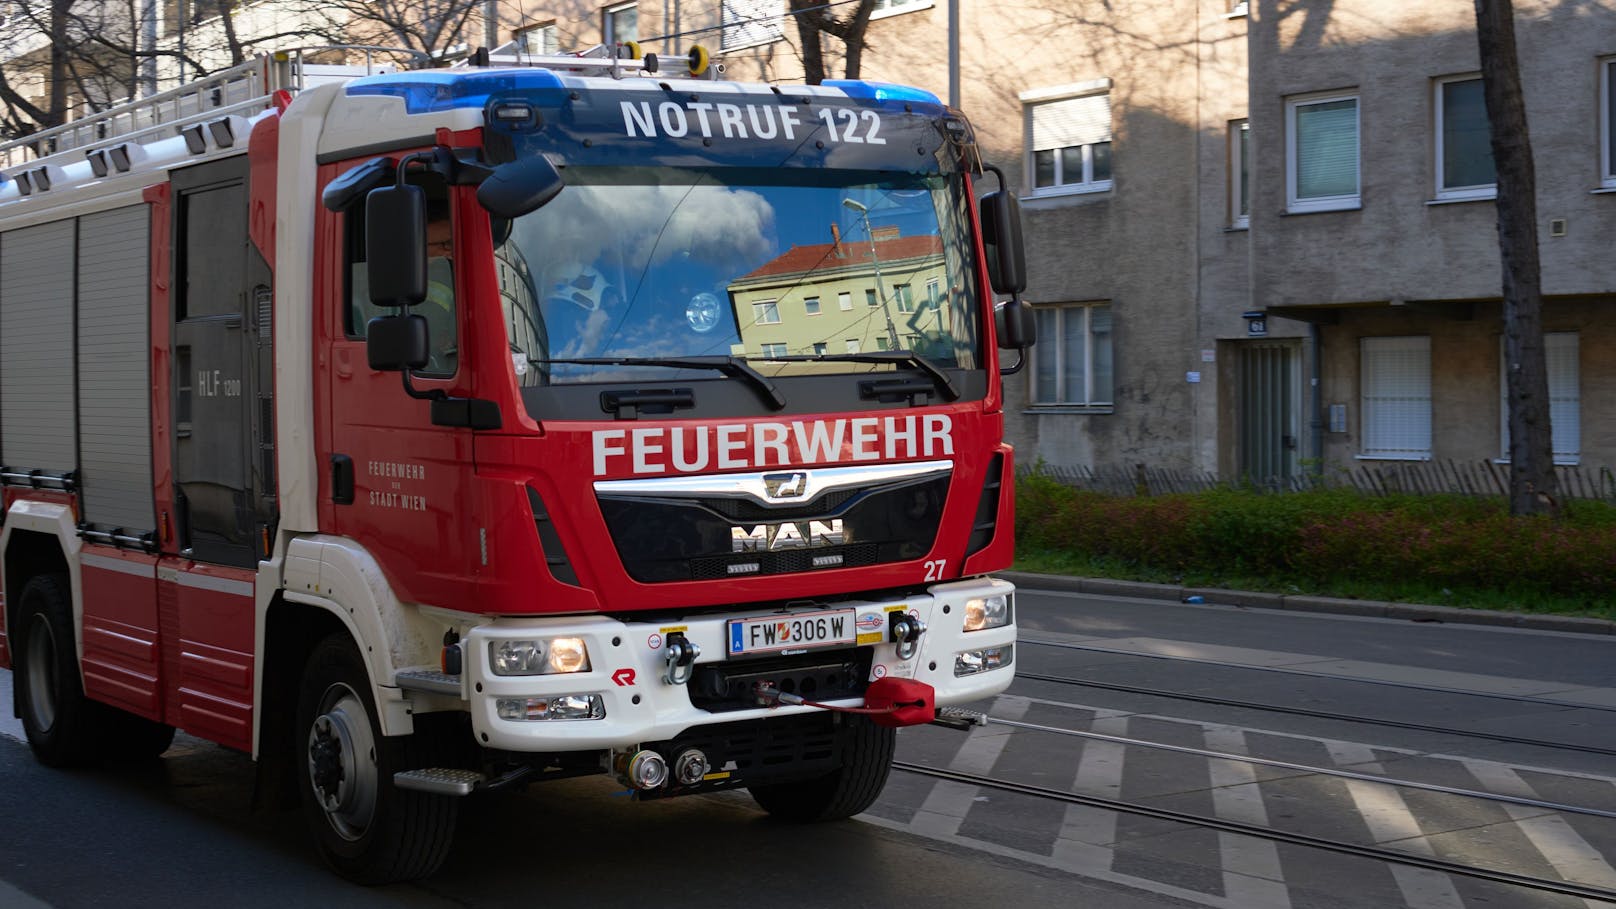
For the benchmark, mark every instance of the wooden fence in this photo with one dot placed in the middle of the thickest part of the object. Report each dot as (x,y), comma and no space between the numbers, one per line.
(1473,478)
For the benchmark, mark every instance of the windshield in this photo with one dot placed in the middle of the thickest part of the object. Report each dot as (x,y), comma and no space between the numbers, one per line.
(661,262)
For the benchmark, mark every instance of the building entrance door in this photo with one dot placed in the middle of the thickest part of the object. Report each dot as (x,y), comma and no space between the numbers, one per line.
(1269,416)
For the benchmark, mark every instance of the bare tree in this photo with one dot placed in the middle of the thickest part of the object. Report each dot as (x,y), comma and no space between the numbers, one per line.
(1531,461)
(815,18)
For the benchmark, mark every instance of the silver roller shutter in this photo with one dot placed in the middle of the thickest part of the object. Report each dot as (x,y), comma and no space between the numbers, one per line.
(36,347)
(114,372)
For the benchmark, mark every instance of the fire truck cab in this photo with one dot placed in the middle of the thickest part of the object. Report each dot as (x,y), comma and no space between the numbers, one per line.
(433,432)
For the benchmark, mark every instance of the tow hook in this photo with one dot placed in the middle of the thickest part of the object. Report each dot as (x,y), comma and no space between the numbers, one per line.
(680,653)
(905,632)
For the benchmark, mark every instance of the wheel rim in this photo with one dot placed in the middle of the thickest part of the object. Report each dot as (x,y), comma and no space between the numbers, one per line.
(41,664)
(342,762)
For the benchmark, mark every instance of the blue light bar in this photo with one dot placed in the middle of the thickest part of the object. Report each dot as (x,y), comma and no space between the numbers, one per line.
(881,91)
(428,91)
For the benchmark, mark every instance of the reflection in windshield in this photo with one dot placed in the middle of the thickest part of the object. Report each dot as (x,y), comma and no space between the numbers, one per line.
(660,262)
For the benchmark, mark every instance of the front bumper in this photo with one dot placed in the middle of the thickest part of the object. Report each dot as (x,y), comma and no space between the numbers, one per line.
(628,665)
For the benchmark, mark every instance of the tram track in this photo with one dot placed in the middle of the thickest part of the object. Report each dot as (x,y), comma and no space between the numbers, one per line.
(1342,847)
(1310,712)
(1308,673)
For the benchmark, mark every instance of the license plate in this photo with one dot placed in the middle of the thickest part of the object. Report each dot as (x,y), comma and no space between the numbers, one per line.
(799,631)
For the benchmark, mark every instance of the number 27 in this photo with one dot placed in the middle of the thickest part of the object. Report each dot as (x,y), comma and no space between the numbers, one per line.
(934,570)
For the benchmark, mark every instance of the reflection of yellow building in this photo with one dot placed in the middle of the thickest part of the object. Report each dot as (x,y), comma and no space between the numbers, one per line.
(834,298)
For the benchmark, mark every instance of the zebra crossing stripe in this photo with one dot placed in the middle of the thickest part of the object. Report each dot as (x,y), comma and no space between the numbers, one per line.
(1390,821)
(1086,834)
(948,803)
(1252,874)
(1562,846)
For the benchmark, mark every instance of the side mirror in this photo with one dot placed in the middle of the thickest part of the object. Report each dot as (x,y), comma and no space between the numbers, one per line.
(1017,325)
(395,245)
(519,187)
(396,343)
(1001,237)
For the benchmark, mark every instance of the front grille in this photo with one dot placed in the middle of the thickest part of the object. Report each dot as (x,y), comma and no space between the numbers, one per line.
(672,539)
(740,564)
(748,510)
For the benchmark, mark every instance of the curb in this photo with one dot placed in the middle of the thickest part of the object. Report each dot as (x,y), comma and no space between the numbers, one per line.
(1412,612)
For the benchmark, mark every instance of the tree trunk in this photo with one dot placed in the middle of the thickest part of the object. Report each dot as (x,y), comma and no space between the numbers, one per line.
(56,115)
(1532,487)
(813,56)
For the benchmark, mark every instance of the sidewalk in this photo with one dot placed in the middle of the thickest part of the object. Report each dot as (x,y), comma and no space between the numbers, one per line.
(1377,608)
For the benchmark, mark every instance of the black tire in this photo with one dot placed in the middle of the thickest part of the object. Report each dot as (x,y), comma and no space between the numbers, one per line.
(63,726)
(366,829)
(867,753)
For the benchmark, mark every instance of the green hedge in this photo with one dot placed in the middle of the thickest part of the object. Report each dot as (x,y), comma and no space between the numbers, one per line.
(1329,539)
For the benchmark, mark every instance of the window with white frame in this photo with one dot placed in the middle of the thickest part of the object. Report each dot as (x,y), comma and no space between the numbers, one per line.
(1072,362)
(1561,354)
(906,298)
(1321,153)
(890,7)
(1239,173)
(852,345)
(810,306)
(766,313)
(1068,142)
(620,23)
(537,39)
(1464,150)
(1607,121)
(746,23)
(774,350)
(1396,397)
(844,301)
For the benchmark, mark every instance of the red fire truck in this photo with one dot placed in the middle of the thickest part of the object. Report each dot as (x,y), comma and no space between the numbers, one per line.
(434,432)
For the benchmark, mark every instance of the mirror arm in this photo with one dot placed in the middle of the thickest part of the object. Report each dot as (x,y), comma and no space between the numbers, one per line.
(1021,360)
(436,394)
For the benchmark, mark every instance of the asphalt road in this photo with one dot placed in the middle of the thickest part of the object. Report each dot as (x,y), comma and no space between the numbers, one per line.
(182,832)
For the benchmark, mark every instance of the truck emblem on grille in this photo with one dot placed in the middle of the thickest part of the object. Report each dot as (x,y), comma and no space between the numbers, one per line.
(787,535)
(780,487)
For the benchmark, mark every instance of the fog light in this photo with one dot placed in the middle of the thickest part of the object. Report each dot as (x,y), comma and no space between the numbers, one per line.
(971,662)
(987,612)
(559,707)
(568,655)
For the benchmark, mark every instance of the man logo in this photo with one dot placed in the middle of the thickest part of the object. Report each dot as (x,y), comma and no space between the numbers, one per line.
(782,487)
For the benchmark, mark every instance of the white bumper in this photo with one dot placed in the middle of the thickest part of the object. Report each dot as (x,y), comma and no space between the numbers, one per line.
(626,671)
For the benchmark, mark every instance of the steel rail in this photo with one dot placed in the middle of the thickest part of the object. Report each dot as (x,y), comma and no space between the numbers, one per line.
(1392,856)
(1521,698)
(1308,768)
(1304,711)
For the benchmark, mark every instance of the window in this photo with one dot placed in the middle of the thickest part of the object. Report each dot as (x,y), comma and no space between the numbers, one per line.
(869,298)
(882,342)
(537,39)
(1068,141)
(1396,402)
(1607,116)
(767,313)
(934,294)
(893,7)
(819,347)
(810,306)
(749,22)
(1321,154)
(852,345)
(844,301)
(1072,361)
(906,298)
(774,350)
(1561,353)
(1239,173)
(1464,151)
(620,24)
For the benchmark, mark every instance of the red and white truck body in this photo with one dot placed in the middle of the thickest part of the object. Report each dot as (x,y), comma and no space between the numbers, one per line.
(578,557)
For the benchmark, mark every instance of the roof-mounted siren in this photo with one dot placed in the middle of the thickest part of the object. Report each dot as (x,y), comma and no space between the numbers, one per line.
(116,159)
(41,178)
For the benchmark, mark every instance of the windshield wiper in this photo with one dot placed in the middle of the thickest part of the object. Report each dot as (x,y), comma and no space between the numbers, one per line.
(896,357)
(734,367)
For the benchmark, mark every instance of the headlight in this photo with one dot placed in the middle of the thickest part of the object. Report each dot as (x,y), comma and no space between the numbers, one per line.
(540,656)
(971,662)
(987,612)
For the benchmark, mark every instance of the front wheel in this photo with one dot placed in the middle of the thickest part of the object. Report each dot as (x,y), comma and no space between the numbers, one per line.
(367,829)
(867,752)
(62,724)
